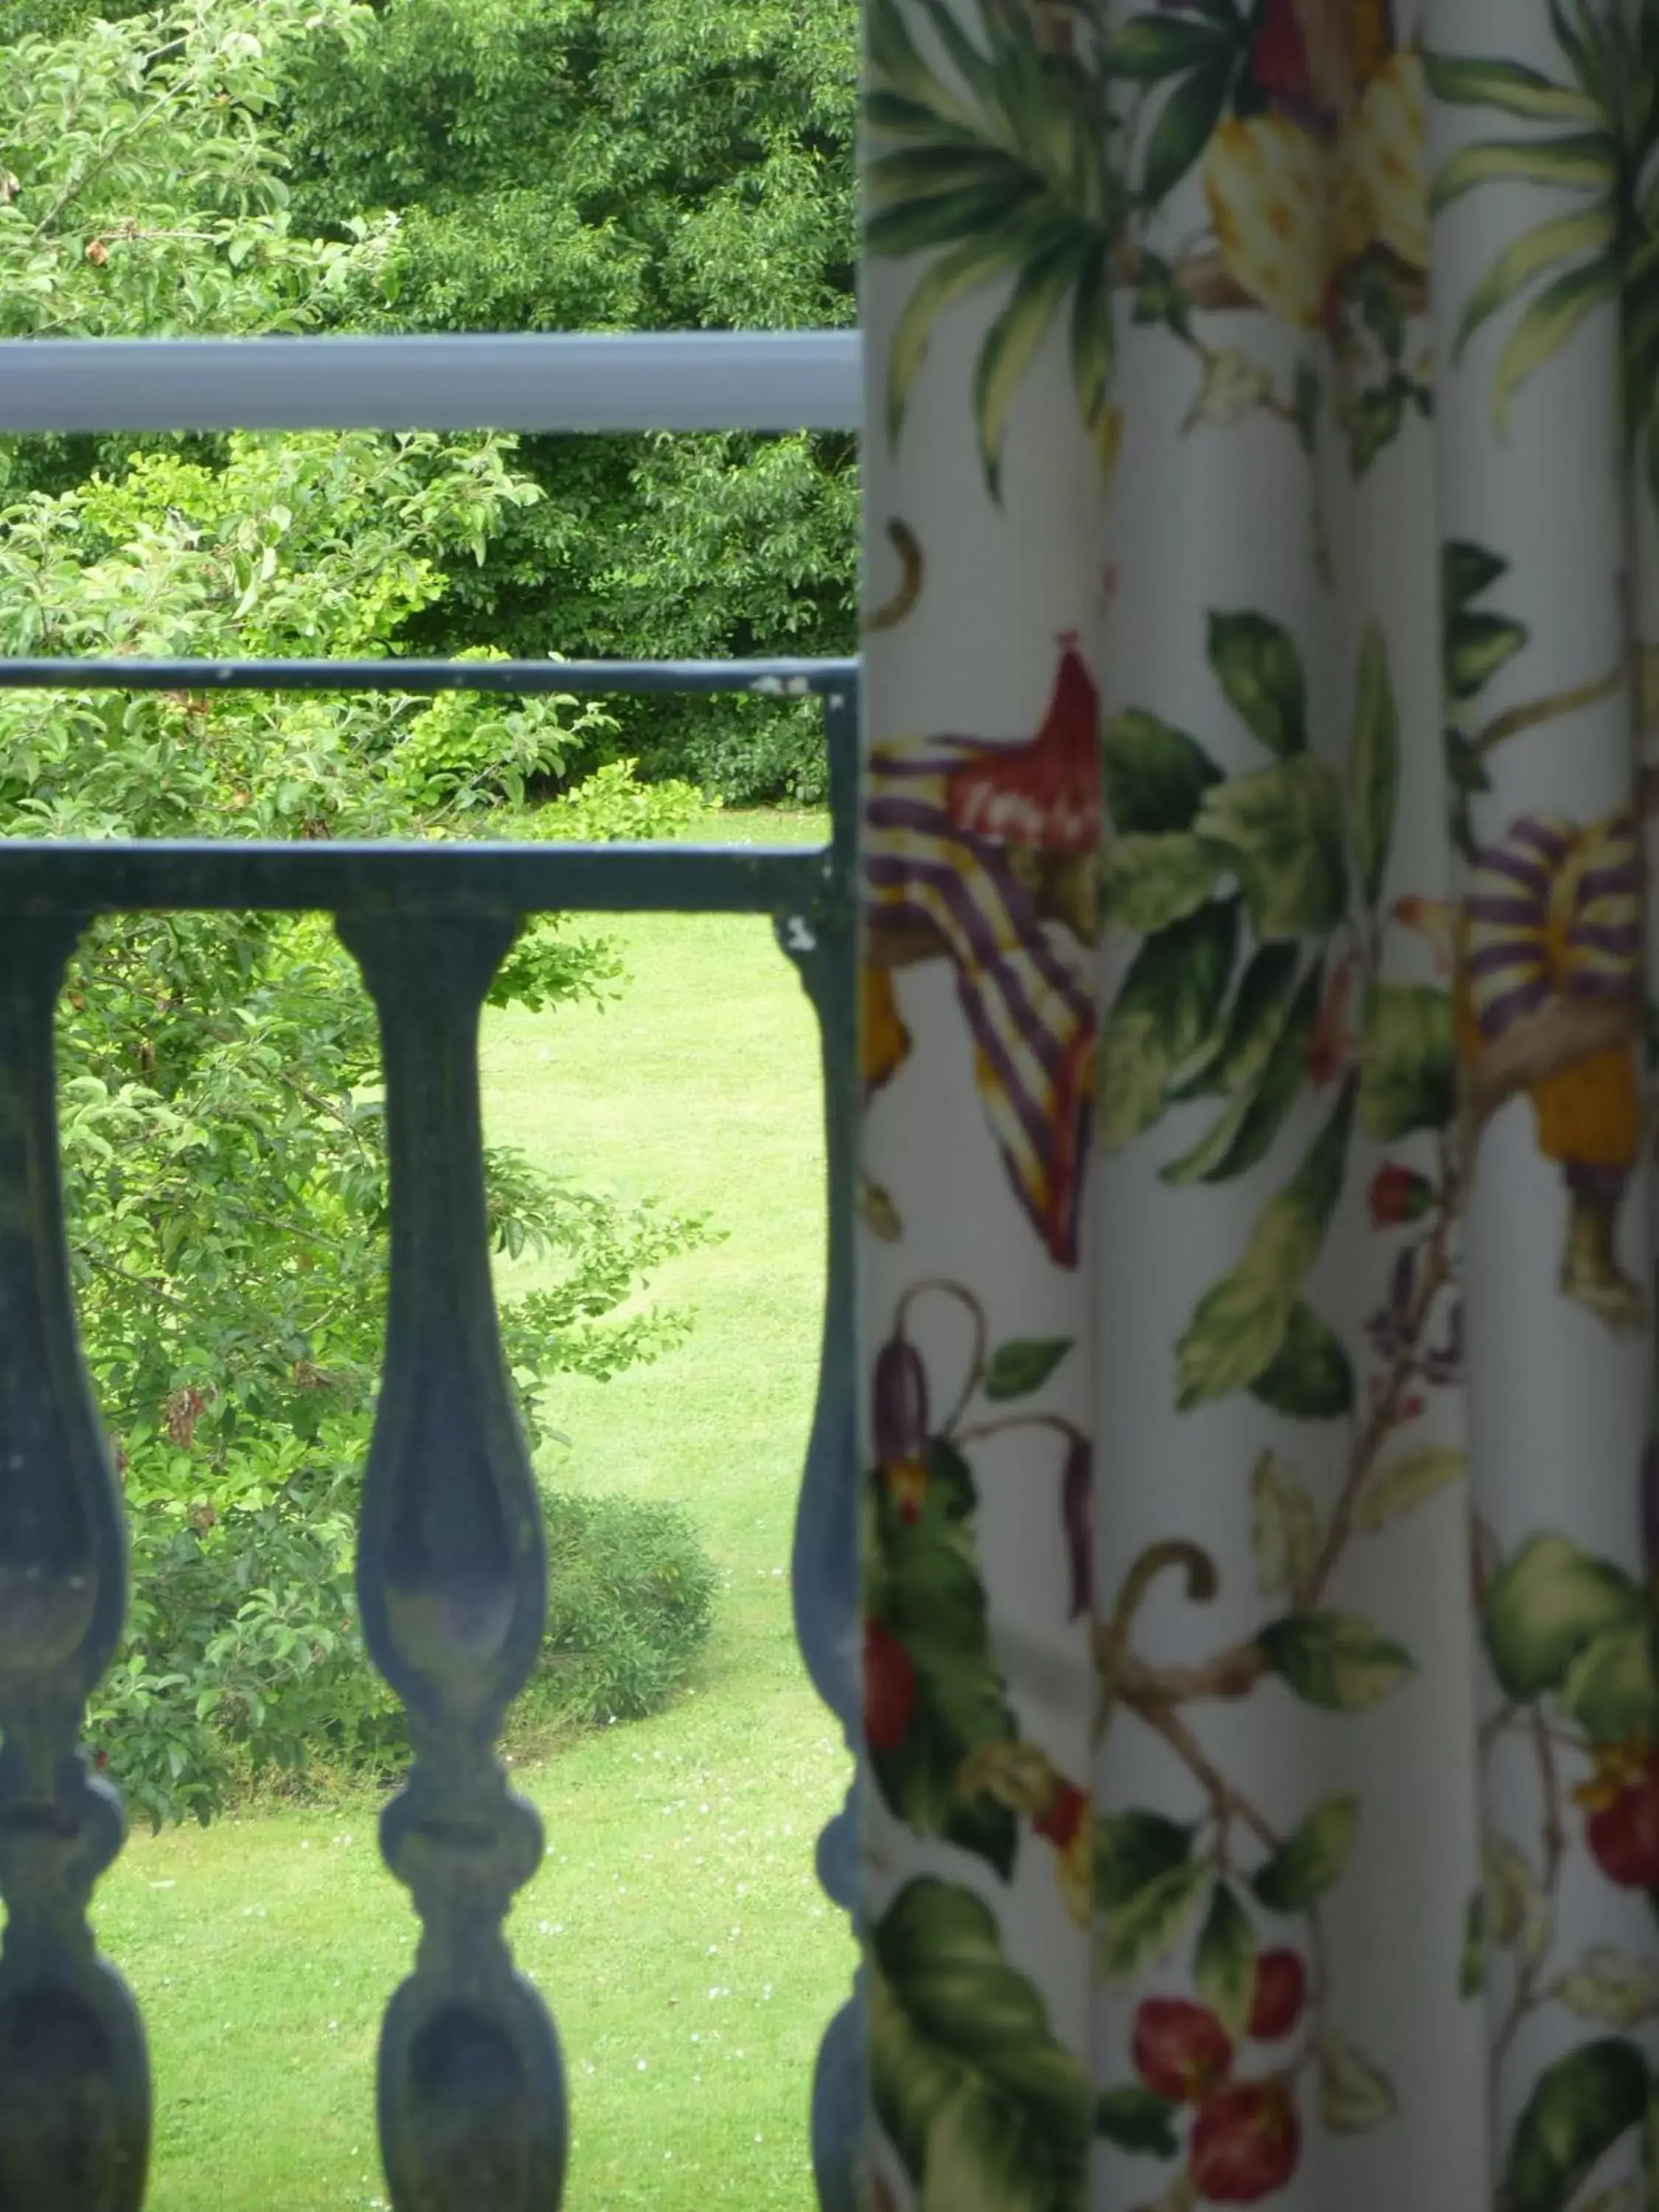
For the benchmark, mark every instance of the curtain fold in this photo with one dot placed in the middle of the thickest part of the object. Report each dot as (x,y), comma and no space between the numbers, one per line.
(1257,1208)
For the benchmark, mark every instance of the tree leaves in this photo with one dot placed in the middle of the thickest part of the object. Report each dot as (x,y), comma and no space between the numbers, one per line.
(1312,1859)
(1257,664)
(1337,1660)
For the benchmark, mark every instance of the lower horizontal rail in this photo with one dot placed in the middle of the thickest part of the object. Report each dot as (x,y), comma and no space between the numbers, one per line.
(769,678)
(43,876)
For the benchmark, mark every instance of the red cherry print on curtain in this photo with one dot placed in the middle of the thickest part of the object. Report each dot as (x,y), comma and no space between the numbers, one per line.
(890,1688)
(1245,2143)
(1063,1815)
(1281,1990)
(1623,1829)
(1180,2049)
(1397,1194)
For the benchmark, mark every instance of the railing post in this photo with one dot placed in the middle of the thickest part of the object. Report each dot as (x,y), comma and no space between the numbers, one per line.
(825,1566)
(452,1583)
(74,2079)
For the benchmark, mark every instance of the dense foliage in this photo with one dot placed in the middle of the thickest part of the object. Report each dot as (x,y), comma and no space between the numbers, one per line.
(221,1126)
(426,164)
(617,164)
(211,164)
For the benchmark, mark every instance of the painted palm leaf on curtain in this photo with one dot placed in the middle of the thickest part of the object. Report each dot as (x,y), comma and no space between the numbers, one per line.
(991,161)
(1302,1016)
(1588,130)
(1300,116)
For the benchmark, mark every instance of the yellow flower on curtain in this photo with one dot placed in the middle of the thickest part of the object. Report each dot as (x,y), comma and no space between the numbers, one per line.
(1268,184)
(1292,208)
(1380,165)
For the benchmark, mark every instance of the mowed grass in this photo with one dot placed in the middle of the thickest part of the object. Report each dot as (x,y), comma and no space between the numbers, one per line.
(675,1926)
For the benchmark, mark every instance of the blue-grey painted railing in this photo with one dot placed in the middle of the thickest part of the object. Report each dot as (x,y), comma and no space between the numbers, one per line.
(452,1577)
(542,381)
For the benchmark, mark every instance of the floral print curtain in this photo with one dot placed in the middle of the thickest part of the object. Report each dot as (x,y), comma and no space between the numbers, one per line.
(1257,1298)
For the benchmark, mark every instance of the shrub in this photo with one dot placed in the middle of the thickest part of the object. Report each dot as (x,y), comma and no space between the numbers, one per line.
(469,752)
(222,1140)
(752,752)
(244,1656)
(612,803)
(631,1602)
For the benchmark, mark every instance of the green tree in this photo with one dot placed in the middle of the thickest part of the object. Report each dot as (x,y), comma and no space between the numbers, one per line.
(221,1126)
(616,165)
(223,1155)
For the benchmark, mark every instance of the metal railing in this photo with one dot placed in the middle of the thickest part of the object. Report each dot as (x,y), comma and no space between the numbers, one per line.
(451,1568)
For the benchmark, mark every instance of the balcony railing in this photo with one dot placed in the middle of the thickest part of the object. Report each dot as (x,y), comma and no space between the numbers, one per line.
(451,1568)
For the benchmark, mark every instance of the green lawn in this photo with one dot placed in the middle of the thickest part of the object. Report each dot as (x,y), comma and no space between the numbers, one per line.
(676,1925)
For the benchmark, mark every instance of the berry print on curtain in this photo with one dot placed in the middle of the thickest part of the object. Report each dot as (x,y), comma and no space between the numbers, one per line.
(1262,1504)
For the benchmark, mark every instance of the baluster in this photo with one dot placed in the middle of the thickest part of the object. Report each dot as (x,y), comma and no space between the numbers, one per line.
(73,2078)
(825,1565)
(452,1581)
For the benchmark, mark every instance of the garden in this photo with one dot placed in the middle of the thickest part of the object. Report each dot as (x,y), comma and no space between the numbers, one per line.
(654,1153)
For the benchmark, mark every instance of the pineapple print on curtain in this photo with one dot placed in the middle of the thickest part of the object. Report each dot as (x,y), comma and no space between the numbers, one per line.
(1257,1285)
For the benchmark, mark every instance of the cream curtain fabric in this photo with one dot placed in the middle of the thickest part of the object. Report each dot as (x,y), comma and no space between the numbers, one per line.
(1256,1289)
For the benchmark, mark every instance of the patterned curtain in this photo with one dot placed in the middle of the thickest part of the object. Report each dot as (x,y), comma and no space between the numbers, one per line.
(1257,1298)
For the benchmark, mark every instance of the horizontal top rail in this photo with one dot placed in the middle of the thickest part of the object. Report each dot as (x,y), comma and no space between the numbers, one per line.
(772,678)
(634,381)
(454,877)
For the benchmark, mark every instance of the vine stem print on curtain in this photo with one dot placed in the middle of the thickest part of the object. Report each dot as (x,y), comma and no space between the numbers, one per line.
(1261,1502)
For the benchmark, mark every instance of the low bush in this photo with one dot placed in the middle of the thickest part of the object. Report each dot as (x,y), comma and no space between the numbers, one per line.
(630,1605)
(244,1660)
